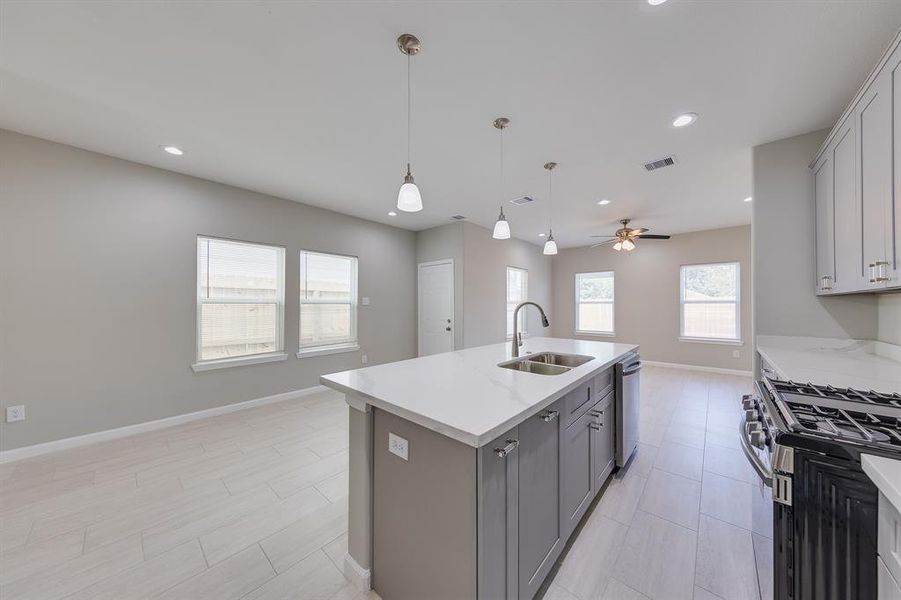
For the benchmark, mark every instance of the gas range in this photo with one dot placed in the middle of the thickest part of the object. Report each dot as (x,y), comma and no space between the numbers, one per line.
(805,442)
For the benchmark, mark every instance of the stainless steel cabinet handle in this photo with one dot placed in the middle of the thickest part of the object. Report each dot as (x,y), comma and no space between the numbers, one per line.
(596,426)
(826,283)
(596,413)
(549,416)
(881,271)
(510,447)
(872,269)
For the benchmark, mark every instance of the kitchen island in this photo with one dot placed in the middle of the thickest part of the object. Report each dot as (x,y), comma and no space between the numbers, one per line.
(469,470)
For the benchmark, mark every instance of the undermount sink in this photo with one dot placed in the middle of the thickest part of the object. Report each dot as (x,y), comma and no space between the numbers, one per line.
(564,360)
(546,363)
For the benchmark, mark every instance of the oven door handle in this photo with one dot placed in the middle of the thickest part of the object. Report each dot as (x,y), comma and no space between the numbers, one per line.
(765,474)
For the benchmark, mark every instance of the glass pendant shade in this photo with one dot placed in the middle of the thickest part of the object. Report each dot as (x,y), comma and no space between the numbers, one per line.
(408,198)
(618,246)
(501,228)
(628,245)
(550,246)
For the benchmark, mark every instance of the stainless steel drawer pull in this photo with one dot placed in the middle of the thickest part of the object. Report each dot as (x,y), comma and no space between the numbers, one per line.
(510,447)
(596,413)
(596,426)
(549,416)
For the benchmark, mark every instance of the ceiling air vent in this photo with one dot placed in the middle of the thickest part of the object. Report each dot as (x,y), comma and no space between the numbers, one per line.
(660,163)
(458,218)
(522,200)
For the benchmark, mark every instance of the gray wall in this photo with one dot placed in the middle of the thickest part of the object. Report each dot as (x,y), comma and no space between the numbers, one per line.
(97,265)
(784,241)
(646,309)
(485,262)
(890,318)
(440,243)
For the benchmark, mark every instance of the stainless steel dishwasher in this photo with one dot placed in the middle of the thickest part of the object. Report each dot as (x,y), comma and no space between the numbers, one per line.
(628,396)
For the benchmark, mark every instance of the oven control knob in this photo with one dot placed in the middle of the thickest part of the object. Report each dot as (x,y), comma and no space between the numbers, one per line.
(747,403)
(751,416)
(753,427)
(758,438)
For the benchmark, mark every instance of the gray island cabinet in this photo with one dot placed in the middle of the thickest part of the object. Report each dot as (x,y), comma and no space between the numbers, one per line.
(445,504)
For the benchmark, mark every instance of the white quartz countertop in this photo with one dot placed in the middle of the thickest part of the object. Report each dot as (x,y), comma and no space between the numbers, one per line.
(464,394)
(886,474)
(860,364)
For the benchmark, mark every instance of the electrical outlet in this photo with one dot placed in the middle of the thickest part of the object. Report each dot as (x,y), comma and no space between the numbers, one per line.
(398,446)
(736,354)
(365,359)
(15,413)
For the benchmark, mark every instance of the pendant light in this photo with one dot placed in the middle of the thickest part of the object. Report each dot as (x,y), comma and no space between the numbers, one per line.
(409,198)
(550,246)
(502,227)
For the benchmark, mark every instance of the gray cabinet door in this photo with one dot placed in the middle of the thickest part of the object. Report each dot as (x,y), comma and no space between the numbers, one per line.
(875,134)
(849,268)
(576,480)
(602,451)
(498,518)
(825,232)
(540,534)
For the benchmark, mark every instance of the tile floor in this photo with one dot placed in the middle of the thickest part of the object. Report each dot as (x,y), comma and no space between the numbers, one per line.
(253,504)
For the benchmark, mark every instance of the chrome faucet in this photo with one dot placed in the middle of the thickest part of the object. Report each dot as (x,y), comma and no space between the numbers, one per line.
(517,336)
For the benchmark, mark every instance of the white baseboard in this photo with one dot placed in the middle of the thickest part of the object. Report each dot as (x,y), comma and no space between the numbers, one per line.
(667,365)
(7,456)
(360,577)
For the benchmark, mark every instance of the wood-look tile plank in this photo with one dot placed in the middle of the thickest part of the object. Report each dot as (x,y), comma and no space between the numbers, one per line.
(252,477)
(680,460)
(313,578)
(306,535)
(230,539)
(616,590)
(729,463)
(303,477)
(229,580)
(149,578)
(620,499)
(76,574)
(23,561)
(727,499)
(587,568)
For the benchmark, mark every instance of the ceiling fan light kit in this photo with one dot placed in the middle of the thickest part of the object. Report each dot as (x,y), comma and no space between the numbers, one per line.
(624,237)
(408,197)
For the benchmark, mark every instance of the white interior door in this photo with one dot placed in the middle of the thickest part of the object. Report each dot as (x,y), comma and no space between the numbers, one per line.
(436,307)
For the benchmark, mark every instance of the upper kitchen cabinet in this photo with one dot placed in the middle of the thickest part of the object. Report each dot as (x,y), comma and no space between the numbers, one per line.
(857,183)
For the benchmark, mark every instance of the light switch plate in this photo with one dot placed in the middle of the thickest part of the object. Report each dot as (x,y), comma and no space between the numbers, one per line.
(365,359)
(398,446)
(15,413)
(365,300)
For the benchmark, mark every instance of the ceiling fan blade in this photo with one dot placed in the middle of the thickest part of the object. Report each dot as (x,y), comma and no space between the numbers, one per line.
(638,231)
(610,236)
(603,243)
(653,237)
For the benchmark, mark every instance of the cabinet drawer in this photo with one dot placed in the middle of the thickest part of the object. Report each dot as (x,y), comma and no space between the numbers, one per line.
(889,533)
(576,402)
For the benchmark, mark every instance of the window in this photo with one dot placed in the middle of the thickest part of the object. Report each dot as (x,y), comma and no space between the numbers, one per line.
(240,302)
(517,291)
(328,303)
(594,302)
(710,302)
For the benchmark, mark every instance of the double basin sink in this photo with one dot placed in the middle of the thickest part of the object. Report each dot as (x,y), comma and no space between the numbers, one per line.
(546,363)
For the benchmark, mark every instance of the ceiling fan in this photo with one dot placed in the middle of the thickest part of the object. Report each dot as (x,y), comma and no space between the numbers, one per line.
(624,238)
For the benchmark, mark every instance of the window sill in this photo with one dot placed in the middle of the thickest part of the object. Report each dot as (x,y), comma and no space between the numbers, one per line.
(238,361)
(722,342)
(608,334)
(325,351)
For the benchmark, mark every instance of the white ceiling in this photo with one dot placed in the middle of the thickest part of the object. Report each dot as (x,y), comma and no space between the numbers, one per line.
(306,100)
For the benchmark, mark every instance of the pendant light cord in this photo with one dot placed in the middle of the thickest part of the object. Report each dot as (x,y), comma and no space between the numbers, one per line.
(409,110)
(550,202)
(501,194)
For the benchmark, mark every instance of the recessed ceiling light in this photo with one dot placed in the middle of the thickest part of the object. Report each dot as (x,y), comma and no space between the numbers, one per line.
(656,2)
(686,119)
(603,202)
(542,234)
(173,150)
(748,199)
(392,214)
